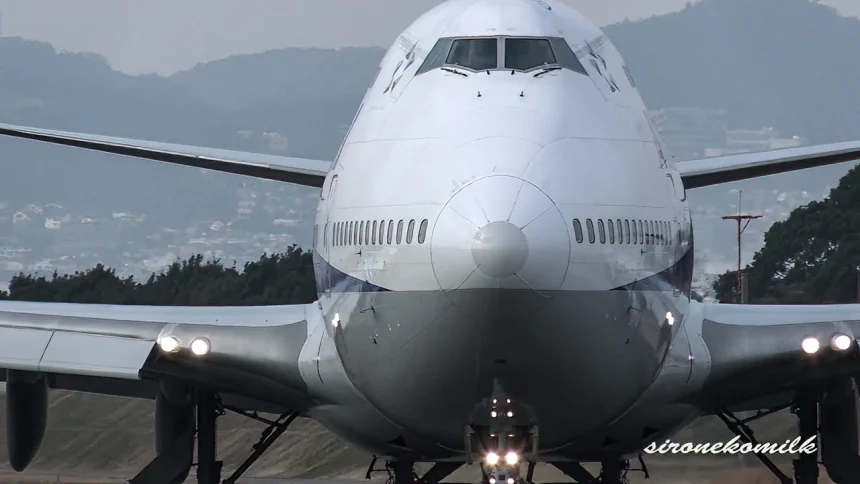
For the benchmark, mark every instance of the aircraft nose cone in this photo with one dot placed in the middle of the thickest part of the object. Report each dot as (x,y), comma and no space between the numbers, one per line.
(500,232)
(500,249)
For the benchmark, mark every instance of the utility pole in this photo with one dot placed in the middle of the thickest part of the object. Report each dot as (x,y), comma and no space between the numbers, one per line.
(740,218)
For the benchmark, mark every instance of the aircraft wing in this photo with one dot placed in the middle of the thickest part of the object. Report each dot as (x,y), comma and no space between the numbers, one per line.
(116,350)
(724,169)
(757,355)
(300,171)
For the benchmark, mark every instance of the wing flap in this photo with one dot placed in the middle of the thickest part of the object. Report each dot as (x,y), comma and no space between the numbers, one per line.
(301,171)
(95,355)
(724,169)
(22,349)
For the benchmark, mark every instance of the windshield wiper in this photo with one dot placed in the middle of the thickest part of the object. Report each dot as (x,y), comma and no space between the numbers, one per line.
(548,69)
(454,71)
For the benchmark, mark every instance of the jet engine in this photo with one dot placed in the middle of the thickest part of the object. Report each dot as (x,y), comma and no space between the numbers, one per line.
(840,431)
(26,415)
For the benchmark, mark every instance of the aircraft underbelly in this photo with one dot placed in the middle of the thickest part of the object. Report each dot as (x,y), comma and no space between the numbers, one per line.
(575,360)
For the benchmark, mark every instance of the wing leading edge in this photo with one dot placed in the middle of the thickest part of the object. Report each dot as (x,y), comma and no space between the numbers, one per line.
(757,354)
(114,350)
(300,171)
(724,169)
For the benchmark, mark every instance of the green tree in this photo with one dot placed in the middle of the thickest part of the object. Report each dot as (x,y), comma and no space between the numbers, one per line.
(286,278)
(811,257)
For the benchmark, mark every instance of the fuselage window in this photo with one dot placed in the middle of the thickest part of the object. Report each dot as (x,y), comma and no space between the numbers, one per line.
(611,231)
(422,231)
(627,231)
(367,233)
(664,233)
(361,234)
(342,237)
(373,232)
(670,237)
(620,232)
(527,54)
(335,235)
(589,225)
(474,54)
(352,233)
(410,231)
(382,232)
(641,232)
(577,230)
(390,231)
(635,234)
(602,230)
(400,231)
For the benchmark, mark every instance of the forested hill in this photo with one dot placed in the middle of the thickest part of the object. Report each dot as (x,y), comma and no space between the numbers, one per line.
(286,278)
(812,257)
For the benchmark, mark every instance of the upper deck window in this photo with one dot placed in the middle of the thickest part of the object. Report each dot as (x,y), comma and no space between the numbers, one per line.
(476,54)
(527,54)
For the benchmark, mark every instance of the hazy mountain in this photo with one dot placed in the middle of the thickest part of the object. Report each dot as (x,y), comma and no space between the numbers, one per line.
(781,63)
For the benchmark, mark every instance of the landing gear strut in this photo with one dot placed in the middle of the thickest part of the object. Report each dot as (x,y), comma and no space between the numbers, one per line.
(173,461)
(805,406)
(403,472)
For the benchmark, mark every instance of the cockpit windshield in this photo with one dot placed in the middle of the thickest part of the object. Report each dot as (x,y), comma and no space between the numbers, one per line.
(527,54)
(474,54)
(501,53)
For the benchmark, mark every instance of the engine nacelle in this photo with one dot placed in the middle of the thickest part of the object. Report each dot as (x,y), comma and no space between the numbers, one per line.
(174,431)
(26,415)
(840,431)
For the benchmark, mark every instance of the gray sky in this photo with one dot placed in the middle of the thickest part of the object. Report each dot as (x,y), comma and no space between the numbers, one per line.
(165,36)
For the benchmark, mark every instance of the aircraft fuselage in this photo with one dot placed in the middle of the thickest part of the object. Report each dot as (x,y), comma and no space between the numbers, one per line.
(495,221)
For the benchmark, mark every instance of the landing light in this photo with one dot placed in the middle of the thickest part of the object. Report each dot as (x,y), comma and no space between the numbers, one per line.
(510,413)
(494,414)
(169,344)
(841,342)
(810,345)
(200,346)
(670,319)
(492,458)
(492,480)
(511,458)
(510,480)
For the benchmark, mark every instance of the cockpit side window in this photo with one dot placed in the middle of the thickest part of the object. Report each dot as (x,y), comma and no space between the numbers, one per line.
(436,57)
(565,57)
(477,54)
(528,54)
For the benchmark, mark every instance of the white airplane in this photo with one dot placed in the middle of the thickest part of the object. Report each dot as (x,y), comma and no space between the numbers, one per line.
(503,258)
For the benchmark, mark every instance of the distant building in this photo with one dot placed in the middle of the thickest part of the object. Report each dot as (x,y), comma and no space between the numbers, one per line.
(688,132)
(753,140)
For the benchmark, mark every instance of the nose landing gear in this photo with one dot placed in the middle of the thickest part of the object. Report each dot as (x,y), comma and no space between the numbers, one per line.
(502,439)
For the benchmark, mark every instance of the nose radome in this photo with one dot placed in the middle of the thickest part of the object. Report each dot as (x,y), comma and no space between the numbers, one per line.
(500,232)
(500,249)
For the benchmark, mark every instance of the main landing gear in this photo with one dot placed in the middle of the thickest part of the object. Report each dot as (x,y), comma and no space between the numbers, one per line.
(805,406)
(403,472)
(175,431)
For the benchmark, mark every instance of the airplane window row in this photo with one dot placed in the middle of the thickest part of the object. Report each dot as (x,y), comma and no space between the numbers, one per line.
(376,232)
(645,232)
(522,54)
